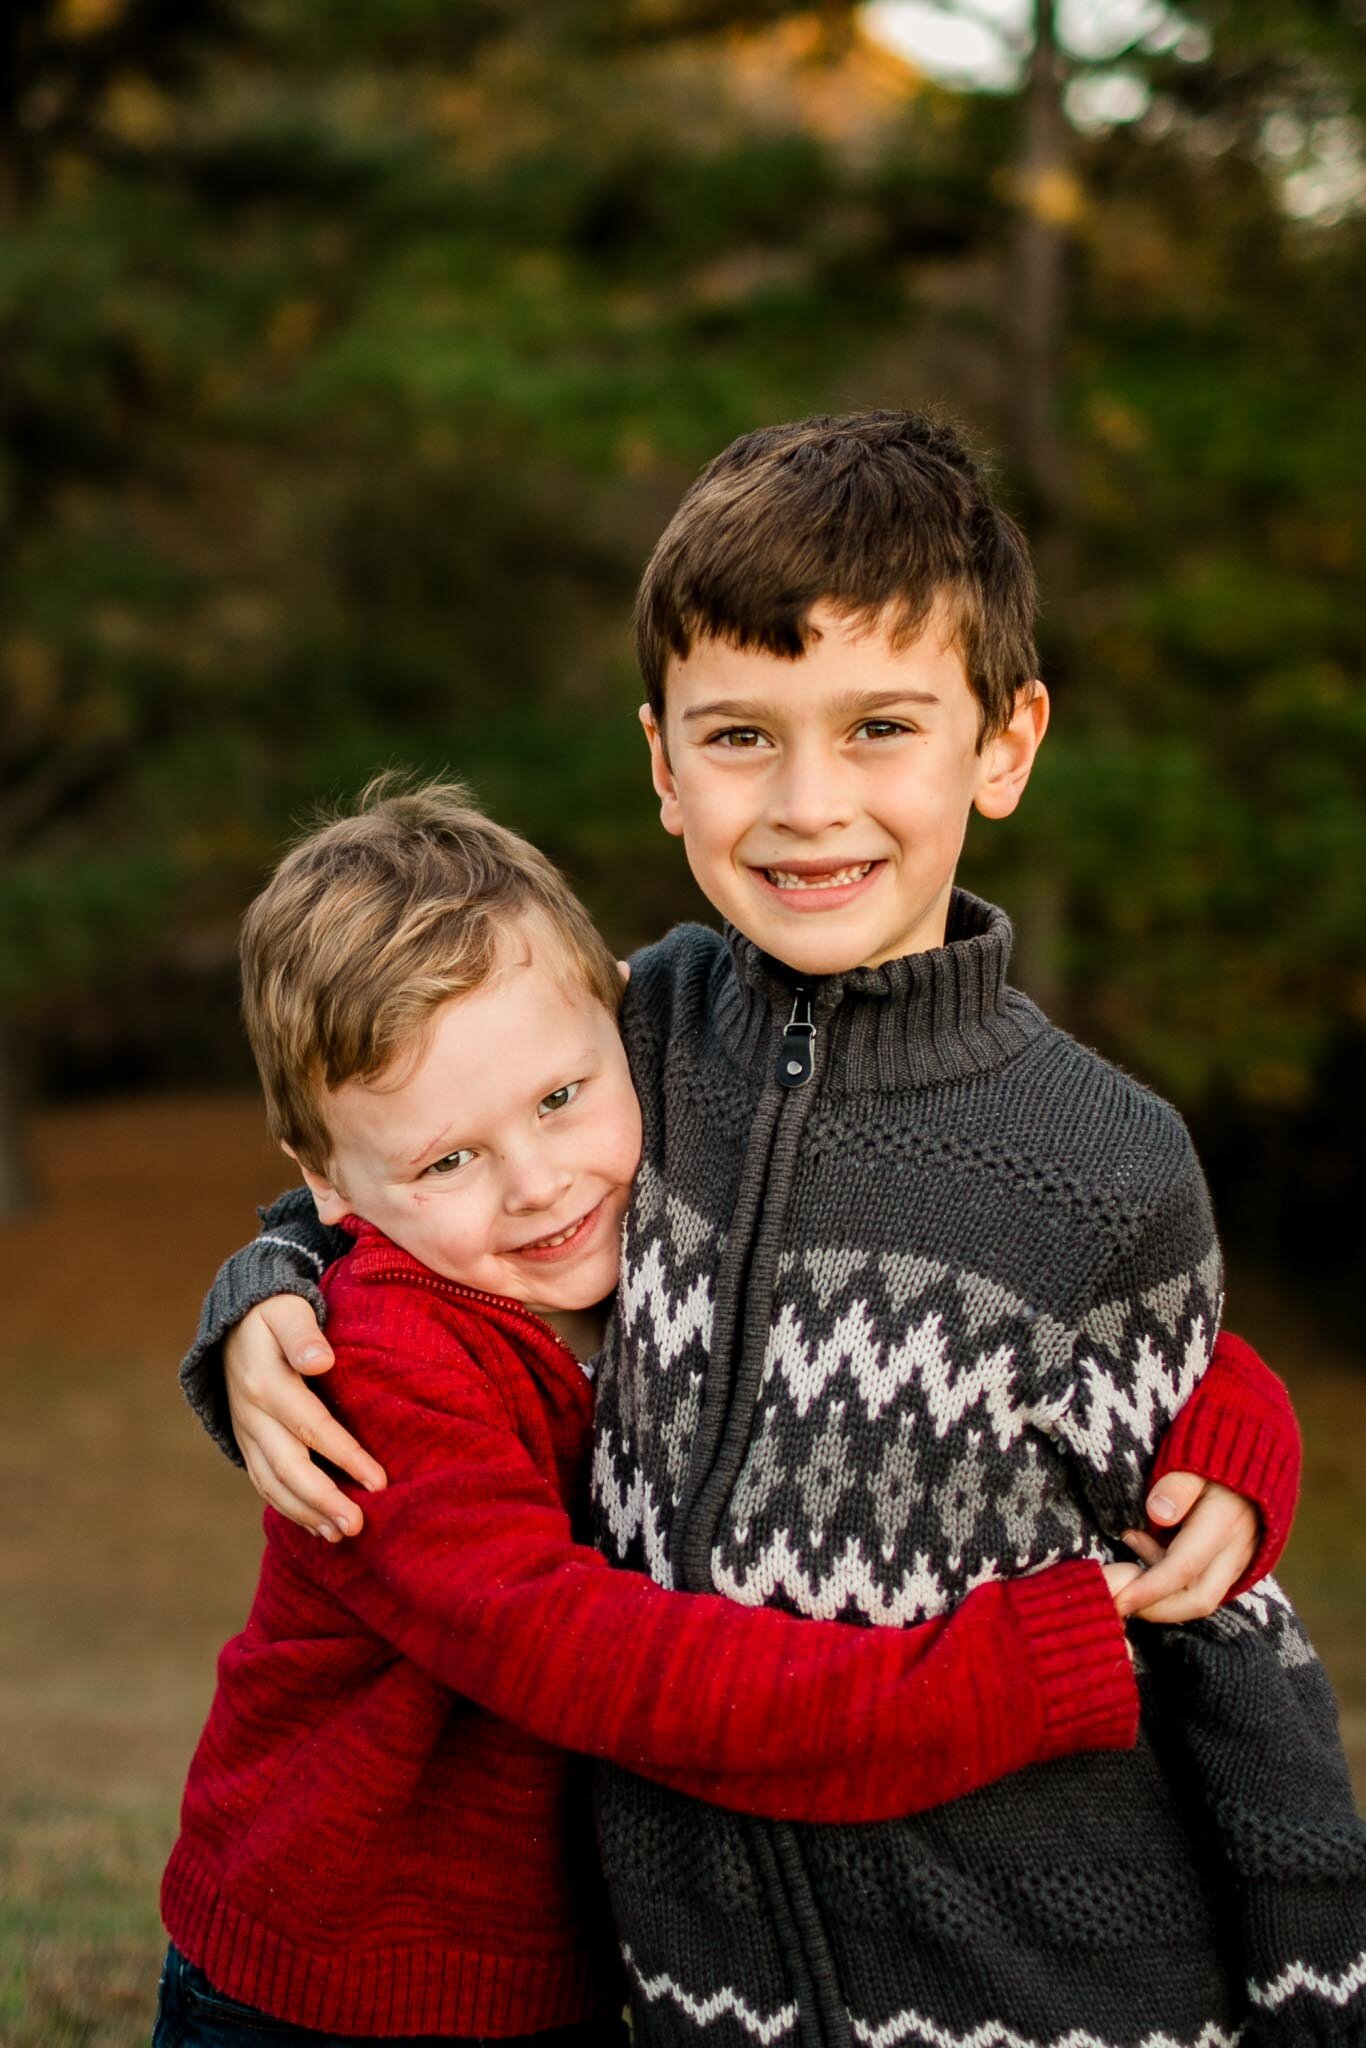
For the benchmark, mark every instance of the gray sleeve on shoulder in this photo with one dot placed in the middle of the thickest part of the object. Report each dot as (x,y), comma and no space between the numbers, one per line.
(289,1256)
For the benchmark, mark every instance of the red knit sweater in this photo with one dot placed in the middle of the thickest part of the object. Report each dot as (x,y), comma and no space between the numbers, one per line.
(383,1829)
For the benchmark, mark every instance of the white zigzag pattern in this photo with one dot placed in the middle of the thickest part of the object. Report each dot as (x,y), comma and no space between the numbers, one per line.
(1299,1977)
(921,1595)
(673,1324)
(1155,1398)
(778,1568)
(913,2026)
(630,1511)
(903,2026)
(714,2007)
(922,1357)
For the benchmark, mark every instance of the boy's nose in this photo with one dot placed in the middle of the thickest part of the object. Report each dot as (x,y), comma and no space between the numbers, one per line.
(810,795)
(532,1184)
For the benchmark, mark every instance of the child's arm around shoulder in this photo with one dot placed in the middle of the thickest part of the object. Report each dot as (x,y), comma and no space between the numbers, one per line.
(260,1328)
(468,1566)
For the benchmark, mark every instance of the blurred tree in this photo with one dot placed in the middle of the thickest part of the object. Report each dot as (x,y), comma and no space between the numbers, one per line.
(355,355)
(88,677)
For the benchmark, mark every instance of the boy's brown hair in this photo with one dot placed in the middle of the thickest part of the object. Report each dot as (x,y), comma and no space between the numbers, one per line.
(880,514)
(376,919)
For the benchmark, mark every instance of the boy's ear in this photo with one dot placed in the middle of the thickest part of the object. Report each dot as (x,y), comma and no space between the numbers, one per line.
(331,1205)
(1008,758)
(662,775)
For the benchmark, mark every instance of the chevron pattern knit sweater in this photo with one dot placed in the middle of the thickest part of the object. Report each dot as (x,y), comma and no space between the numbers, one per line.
(911,1325)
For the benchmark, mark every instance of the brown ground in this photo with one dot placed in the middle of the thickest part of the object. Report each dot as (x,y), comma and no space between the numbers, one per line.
(129,1546)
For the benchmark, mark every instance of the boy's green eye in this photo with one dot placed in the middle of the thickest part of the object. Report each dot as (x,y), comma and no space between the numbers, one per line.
(451,1162)
(559,1098)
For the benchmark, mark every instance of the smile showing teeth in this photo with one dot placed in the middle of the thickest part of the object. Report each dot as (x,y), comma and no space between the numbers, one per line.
(573,1233)
(544,1244)
(835,878)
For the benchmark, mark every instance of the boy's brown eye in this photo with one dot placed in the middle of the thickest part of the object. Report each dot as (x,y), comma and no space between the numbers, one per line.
(737,736)
(451,1162)
(559,1098)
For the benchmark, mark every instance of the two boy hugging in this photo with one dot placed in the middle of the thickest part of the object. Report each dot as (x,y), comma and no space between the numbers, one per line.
(916,1299)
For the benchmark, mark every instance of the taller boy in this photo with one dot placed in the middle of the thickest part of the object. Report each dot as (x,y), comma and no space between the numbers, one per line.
(912,1284)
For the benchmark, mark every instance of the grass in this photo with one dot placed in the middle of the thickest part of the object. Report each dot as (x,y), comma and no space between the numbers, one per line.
(79,1934)
(130,1547)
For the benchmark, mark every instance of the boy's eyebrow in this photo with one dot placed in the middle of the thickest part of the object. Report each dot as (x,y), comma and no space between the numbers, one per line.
(850,701)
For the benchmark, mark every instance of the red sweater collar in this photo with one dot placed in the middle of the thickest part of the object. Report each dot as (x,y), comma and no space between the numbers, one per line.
(373,1256)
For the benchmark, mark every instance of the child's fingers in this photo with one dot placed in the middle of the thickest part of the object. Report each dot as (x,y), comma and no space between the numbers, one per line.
(292,1505)
(1118,1576)
(1190,1581)
(1206,1557)
(318,1430)
(1173,1497)
(1163,1581)
(1193,1603)
(286,1476)
(1218,1539)
(1145,1547)
(295,1328)
(265,1396)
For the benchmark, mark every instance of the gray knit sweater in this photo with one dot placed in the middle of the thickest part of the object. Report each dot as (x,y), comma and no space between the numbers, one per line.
(912,1323)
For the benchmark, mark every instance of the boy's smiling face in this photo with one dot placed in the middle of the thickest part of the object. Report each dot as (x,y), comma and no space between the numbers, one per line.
(502,1154)
(823,801)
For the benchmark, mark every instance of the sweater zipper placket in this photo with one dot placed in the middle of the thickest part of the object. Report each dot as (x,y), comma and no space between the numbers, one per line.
(796,1064)
(744,1293)
(744,1298)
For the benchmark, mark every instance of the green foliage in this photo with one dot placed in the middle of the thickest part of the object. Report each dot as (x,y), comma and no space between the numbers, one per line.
(355,355)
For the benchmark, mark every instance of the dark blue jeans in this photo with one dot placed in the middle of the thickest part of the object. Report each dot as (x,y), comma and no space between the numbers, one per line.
(191,2014)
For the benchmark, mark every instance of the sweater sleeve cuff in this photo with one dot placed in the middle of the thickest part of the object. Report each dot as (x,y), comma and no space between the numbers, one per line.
(1239,1428)
(1075,1645)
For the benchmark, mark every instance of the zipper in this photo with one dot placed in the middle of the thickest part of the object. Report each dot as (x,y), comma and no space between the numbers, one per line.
(785,1882)
(797,1053)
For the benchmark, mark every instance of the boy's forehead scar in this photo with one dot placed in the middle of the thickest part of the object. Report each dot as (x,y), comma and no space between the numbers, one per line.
(424,1151)
(846,703)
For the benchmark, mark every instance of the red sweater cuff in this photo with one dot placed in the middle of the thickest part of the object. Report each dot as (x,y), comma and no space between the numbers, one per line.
(1239,1428)
(1074,1643)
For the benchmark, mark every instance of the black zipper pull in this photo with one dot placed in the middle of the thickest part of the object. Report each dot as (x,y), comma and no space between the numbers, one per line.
(797,1054)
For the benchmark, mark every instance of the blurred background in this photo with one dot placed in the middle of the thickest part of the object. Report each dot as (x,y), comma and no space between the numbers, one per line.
(351,359)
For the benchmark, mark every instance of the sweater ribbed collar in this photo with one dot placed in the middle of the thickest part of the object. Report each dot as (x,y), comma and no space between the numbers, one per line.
(925,1018)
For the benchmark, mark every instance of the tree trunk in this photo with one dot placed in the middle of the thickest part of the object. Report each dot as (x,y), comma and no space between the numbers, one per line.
(16,1178)
(1033,337)
(1036,282)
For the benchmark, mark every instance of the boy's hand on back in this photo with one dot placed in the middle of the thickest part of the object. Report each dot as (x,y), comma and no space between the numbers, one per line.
(278,1421)
(1190,1576)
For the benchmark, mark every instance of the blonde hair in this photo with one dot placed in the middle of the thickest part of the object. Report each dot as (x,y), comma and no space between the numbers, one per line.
(372,922)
